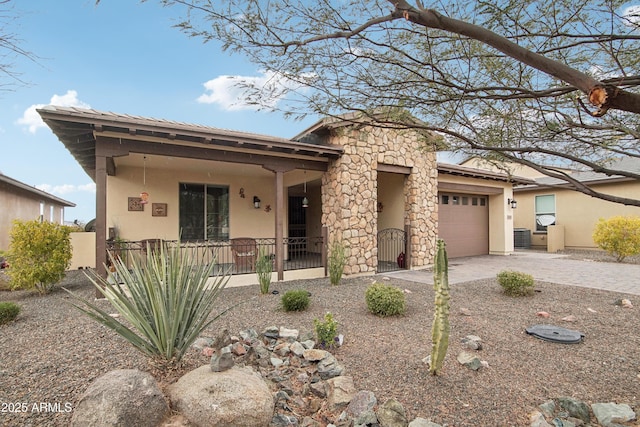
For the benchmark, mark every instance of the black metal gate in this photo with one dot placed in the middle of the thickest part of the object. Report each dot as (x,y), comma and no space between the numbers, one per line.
(391,250)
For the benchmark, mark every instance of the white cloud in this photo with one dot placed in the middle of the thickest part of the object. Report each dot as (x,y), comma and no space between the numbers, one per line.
(61,190)
(631,16)
(234,93)
(31,118)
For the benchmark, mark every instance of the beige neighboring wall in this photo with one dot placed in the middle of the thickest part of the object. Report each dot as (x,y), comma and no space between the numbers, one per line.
(26,203)
(83,246)
(577,212)
(501,218)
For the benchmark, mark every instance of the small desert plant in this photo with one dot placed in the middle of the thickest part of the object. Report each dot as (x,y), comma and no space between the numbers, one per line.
(515,283)
(619,236)
(295,300)
(326,331)
(337,261)
(39,254)
(264,268)
(440,327)
(8,312)
(384,300)
(166,301)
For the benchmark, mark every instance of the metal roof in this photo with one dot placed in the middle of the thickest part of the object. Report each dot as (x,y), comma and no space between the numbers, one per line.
(33,190)
(450,169)
(77,129)
(626,164)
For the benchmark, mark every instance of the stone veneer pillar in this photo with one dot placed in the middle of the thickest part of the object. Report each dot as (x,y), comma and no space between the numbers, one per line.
(350,190)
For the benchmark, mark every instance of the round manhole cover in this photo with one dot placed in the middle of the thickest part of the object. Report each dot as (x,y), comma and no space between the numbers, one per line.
(555,334)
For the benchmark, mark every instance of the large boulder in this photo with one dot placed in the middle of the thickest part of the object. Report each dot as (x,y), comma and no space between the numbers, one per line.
(125,397)
(237,397)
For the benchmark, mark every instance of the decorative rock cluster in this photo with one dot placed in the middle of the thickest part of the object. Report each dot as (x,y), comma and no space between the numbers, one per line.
(569,412)
(307,383)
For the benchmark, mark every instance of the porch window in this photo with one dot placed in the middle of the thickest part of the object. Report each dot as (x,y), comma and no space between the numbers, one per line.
(204,212)
(545,211)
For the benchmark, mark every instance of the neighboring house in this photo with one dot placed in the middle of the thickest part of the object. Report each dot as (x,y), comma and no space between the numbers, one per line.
(24,202)
(373,189)
(550,206)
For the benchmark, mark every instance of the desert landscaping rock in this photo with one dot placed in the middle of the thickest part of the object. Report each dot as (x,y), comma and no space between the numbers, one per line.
(609,414)
(238,397)
(472,342)
(340,391)
(392,414)
(469,360)
(121,398)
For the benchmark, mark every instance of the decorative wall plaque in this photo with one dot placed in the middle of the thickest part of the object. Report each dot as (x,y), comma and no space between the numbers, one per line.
(135,204)
(158,209)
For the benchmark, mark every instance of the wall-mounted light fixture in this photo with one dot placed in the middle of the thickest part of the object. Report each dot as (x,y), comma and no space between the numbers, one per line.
(256,202)
(513,203)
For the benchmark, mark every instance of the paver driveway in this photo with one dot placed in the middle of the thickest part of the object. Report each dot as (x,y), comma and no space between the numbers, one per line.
(554,268)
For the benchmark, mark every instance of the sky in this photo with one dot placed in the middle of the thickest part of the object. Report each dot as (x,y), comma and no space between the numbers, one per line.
(121,56)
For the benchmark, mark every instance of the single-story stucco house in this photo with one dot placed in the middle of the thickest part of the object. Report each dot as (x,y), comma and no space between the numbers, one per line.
(551,216)
(378,191)
(21,201)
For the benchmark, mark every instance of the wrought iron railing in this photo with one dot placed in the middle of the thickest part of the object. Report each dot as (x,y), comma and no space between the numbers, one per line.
(234,256)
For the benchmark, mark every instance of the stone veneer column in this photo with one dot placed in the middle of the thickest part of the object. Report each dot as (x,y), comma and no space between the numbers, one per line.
(350,189)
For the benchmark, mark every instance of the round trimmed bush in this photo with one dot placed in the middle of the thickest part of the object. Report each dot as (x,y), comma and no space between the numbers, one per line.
(8,312)
(295,300)
(384,300)
(515,283)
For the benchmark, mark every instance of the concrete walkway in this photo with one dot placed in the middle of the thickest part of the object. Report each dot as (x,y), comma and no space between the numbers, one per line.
(554,268)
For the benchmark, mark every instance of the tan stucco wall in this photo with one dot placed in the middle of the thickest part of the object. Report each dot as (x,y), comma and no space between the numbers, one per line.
(18,204)
(501,216)
(83,246)
(577,212)
(350,193)
(163,187)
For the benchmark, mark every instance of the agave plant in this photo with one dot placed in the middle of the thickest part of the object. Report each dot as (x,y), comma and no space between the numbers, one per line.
(165,297)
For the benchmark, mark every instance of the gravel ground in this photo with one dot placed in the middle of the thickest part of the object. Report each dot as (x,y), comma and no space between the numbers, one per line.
(52,352)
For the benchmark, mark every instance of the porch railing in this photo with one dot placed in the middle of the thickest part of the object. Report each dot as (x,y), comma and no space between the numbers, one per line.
(234,256)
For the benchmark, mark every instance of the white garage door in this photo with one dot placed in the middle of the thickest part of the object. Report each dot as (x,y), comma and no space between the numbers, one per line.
(463,223)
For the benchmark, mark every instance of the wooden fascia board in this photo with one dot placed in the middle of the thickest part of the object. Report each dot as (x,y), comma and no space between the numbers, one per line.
(115,147)
(468,188)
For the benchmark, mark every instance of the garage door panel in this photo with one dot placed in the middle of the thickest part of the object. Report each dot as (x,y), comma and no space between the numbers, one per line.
(463,223)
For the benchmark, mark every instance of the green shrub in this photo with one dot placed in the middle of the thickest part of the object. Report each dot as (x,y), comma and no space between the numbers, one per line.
(39,254)
(619,236)
(295,300)
(326,331)
(8,312)
(264,268)
(384,300)
(165,303)
(337,261)
(515,283)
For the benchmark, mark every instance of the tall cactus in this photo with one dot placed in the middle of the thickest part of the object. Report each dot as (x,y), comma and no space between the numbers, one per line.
(440,328)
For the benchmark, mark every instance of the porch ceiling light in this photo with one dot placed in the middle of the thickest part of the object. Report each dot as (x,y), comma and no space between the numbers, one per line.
(513,203)
(305,202)
(256,202)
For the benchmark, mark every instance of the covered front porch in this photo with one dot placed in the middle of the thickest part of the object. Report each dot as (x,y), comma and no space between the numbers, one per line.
(204,187)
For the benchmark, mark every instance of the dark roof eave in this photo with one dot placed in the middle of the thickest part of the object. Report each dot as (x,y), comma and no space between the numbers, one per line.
(35,191)
(83,119)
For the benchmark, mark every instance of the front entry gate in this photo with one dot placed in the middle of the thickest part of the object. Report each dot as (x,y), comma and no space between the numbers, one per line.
(392,243)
